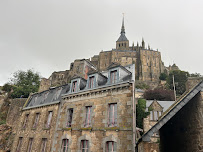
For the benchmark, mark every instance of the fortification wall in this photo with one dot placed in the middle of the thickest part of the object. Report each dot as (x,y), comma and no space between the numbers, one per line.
(14,112)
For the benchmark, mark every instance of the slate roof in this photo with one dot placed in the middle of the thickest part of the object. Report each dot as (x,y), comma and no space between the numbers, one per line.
(164,104)
(54,95)
(122,38)
(172,111)
(47,97)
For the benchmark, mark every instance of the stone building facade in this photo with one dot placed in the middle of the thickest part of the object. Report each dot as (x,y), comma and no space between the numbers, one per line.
(148,63)
(84,117)
(93,114)
(36,125)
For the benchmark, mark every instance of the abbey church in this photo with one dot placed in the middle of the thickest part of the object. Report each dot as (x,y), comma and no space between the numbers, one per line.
(148,63)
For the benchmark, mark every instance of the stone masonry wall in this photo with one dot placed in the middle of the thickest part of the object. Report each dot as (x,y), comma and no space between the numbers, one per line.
(151,65)
(99,132)
(148,147)
(14,112)
(36,133)
(44,84)
(192,81)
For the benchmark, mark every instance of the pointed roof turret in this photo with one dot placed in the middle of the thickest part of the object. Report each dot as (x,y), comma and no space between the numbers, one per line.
(137,44)
(149,47)
(122,36)
(143,43)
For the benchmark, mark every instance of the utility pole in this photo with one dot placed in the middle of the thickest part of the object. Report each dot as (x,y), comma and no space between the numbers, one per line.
(174,88)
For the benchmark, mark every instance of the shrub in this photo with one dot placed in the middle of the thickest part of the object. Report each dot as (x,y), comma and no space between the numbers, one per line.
(159,94)
(141,85)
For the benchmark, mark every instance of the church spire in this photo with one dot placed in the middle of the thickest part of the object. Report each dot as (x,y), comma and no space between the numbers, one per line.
(123,27)
(122,36)
(122,43)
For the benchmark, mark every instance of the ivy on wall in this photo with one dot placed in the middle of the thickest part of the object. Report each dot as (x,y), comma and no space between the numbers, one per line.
(141,113)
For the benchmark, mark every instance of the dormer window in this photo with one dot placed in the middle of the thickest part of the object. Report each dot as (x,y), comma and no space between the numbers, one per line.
(113,76)
(91,82)
(74,86)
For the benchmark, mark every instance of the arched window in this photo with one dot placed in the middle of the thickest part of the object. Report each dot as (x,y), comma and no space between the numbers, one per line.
(111,146)
(84,145)
(65,143)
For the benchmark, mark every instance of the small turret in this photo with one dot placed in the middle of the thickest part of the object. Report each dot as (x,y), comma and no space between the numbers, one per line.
(133,46)
(137,47)
(143,44)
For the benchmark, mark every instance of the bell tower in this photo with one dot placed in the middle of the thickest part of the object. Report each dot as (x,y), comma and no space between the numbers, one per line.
(122,43)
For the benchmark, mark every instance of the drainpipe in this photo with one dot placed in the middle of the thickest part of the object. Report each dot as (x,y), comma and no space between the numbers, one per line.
(134,116)
(57,124)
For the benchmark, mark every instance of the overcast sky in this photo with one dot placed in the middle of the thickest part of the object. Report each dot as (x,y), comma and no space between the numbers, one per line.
(48,35)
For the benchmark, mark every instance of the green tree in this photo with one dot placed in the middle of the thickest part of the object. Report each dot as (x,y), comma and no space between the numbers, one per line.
(180,78)
(195,75)
(7,87)
(140,112)
(163,76)
(24,82)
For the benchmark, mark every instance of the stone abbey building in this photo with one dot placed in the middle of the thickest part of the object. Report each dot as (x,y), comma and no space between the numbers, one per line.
(148,63)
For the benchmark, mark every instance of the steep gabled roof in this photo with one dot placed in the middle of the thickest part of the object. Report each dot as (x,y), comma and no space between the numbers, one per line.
(172,111)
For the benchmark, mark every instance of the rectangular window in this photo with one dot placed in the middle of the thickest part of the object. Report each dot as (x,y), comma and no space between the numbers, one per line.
(74,86)
(70,117)
(154,115)
(18,149)
(84,145)
(65,145)
(112,114)
(111,146)
(91,82)
(151,115)
(25,120)
(29,148)
(48,123)
(36,120)
(113,75)
(44,144)
(88,116)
